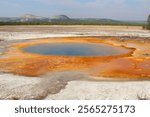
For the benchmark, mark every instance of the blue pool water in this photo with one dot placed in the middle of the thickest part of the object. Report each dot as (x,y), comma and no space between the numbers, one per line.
(76,49)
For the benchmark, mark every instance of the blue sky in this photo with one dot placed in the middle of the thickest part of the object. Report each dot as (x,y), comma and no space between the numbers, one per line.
(114,9)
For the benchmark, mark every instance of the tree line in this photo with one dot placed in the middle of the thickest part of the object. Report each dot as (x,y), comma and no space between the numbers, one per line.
(73,23)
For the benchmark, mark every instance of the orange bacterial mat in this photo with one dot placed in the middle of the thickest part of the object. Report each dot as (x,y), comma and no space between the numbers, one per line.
(133,64)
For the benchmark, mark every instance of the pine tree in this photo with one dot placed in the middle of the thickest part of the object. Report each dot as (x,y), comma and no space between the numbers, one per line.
(148,22)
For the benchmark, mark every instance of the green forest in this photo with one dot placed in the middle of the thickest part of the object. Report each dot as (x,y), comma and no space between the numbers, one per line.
(73,23)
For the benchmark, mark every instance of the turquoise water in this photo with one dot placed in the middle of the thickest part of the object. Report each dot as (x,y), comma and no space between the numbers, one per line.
(75,49)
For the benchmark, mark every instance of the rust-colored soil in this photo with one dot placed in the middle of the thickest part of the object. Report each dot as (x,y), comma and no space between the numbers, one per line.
(132,65)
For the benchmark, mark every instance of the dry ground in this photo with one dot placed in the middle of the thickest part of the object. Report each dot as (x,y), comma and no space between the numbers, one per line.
(68,84)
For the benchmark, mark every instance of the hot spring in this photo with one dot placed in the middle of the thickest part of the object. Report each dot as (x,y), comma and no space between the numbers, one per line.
(76,49)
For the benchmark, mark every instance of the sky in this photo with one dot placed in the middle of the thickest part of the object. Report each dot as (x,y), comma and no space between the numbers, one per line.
(113,9)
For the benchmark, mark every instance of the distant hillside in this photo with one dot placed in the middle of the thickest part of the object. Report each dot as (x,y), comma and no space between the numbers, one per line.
(30,19)
(61,18)
(33,18)
(7,19)
(25,18)
(58,18)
